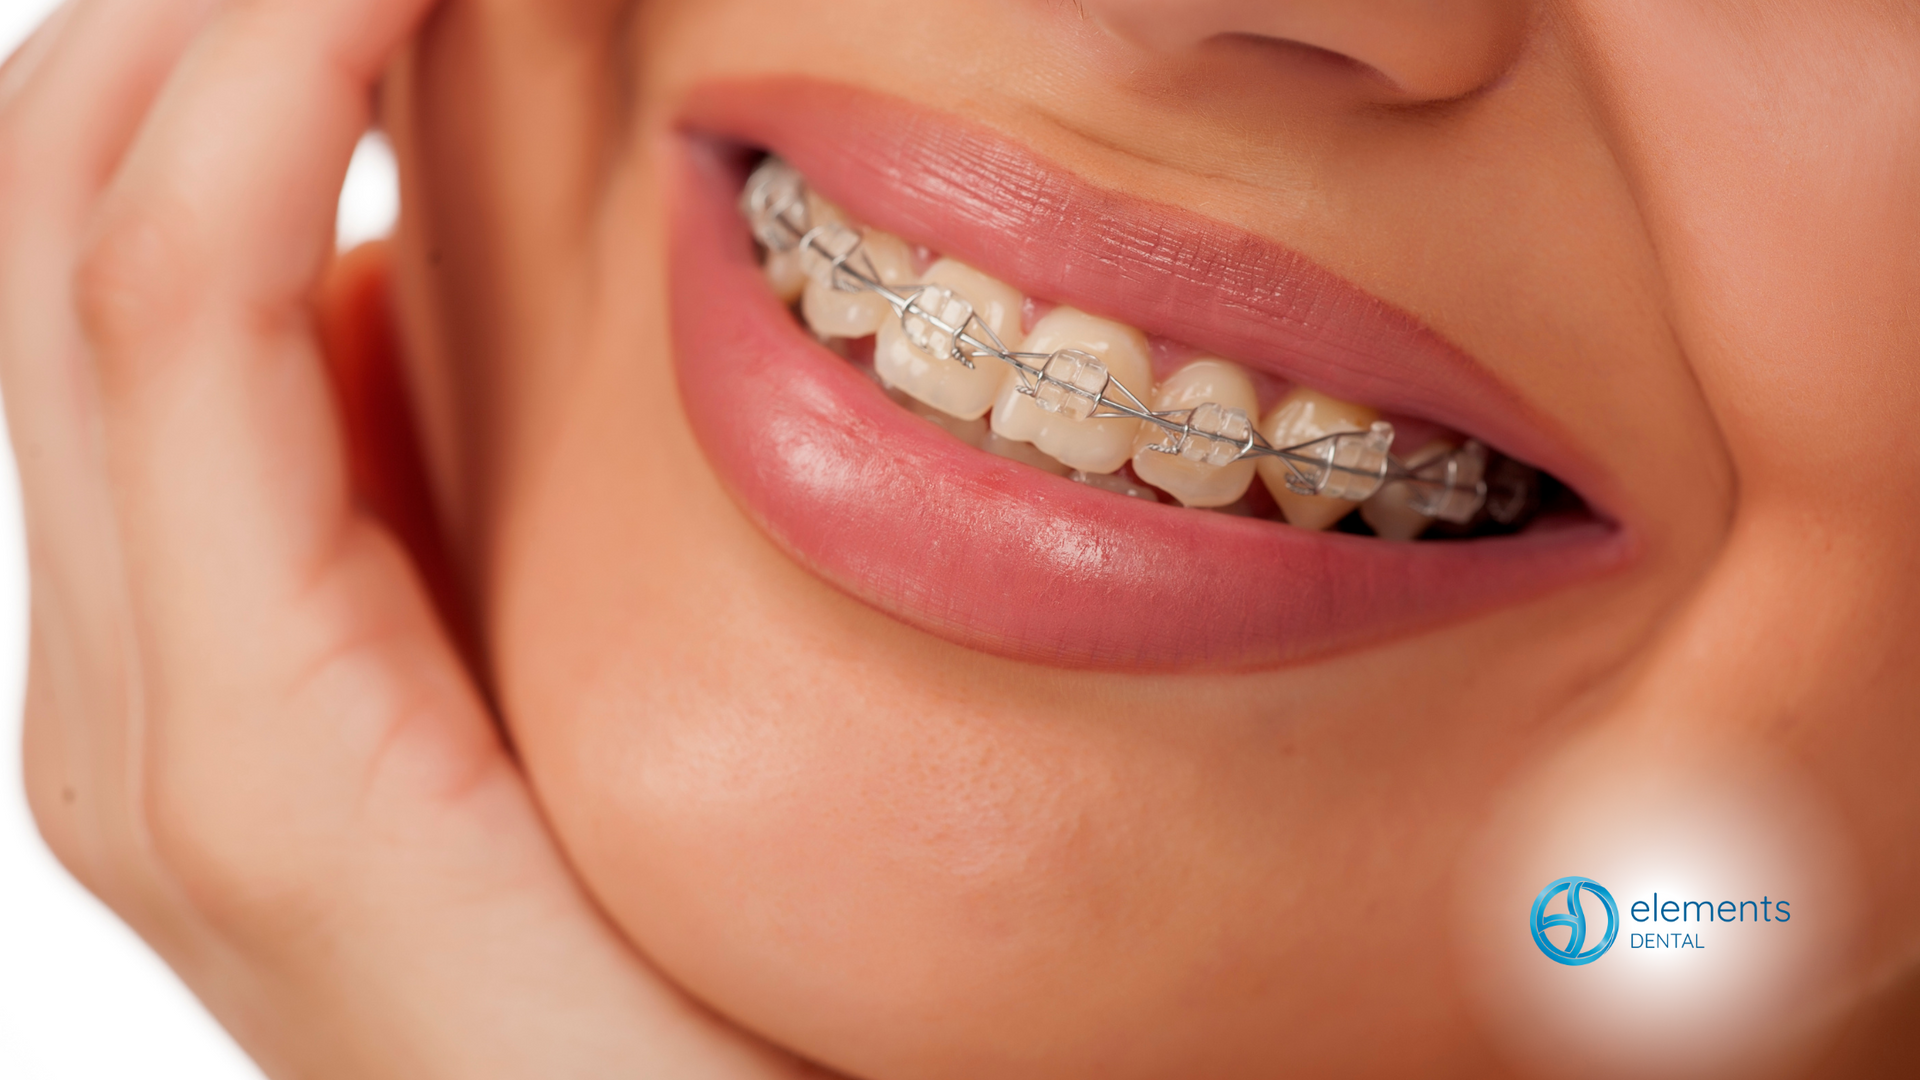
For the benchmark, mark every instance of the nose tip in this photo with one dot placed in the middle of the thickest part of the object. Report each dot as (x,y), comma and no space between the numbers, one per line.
(1423,50)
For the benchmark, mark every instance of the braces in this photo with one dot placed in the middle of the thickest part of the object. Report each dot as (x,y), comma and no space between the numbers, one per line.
(1457,486)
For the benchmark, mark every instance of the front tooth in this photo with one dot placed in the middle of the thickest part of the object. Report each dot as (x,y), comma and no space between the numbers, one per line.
(1195,482)
(972,432)
(1303,416)
(832,312)
(940,381)
(1023,452)
(1390,511)
(1095,446)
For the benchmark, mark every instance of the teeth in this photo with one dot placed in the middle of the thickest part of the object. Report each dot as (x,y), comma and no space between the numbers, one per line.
(823,211)
(1051,431)
(1025,453)
(785,276)
(837,313)
(942,382)
(832,312)
(1095,446)
(1390,511)
(1302,416)
(972,432)
(1196,482)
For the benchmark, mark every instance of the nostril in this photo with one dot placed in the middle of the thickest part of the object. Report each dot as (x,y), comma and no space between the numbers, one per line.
(1251,52)
(1413,50)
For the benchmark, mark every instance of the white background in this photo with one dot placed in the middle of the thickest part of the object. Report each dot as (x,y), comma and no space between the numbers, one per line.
(81,998)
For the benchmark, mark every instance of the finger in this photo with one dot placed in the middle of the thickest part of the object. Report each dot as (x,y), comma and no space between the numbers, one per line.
(305,716)
(80,91)
(323,781)
(310,722)
(198,283)
(69,104)
(19,67)
(196,294)
(70,108)
(82,88)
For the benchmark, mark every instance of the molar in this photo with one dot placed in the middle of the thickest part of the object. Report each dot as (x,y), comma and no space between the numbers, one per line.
(941,382)
(832,312)
(1094,446)
(1302,416)
(1197,483)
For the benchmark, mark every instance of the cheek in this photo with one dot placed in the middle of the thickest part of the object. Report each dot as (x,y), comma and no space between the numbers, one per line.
(906,860)
(855,852)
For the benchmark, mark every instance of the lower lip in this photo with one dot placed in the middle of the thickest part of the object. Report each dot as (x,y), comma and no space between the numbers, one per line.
(999,557)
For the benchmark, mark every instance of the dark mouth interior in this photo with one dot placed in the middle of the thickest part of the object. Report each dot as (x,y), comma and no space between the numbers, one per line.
(1538,498)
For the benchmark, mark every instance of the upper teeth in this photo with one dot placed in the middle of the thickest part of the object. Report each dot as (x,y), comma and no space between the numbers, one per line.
(1189,468)
(1066,431)
(1301,416)
(923,364)
(838,312)
(1391,512)
(1063,390)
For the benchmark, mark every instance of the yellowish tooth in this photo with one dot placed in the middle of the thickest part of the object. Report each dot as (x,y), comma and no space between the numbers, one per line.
(1023,452)
(832,312)
(941,382)
(1302,416)
(1390,511)
(784,275)
(1095,446)
(972,432)
(823,211)
(1196,483)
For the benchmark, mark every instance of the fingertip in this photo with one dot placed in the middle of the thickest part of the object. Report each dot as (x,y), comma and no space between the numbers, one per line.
(18,68)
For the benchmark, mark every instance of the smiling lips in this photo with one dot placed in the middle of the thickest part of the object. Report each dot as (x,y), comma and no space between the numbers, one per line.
(1001,557)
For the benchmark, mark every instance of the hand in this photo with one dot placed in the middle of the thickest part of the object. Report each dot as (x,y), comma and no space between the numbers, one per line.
(246,729)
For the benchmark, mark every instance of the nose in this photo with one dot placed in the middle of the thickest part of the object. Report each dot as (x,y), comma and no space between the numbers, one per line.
(1423,49)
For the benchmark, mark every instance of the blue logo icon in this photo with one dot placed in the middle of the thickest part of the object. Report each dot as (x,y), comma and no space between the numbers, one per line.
(1576,951)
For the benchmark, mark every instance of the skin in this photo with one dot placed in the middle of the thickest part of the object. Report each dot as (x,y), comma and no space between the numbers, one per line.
(1683,232)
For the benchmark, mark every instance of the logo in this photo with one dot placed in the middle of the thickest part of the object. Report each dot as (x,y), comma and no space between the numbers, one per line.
(1575,951)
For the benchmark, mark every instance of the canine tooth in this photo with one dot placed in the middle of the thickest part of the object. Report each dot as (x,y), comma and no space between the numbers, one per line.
(1023,452)
(940,381)
(1302,416)
(1390,511)
(832,312)
(1188,476)
(1095,446)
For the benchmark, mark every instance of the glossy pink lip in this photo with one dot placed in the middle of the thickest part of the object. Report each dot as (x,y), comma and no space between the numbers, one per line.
(1003,558)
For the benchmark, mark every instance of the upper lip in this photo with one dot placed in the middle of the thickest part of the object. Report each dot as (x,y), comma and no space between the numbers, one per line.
(971,194)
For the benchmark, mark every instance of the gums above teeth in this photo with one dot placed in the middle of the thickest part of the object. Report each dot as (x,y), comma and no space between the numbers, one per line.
(1064,400)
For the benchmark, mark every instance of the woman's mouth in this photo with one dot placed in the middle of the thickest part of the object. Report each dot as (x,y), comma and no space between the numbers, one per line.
(1099,373)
